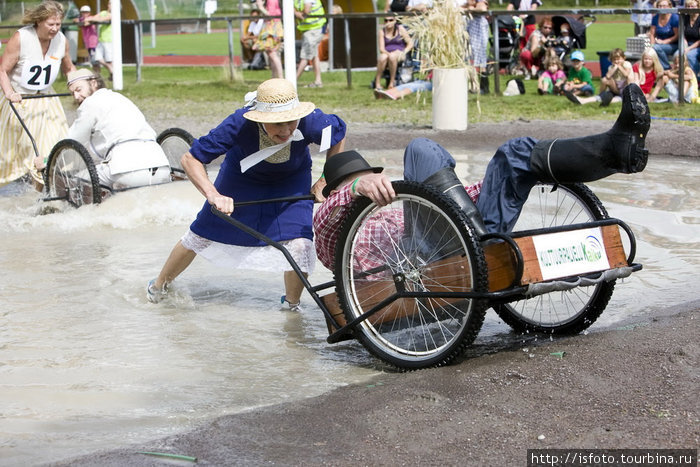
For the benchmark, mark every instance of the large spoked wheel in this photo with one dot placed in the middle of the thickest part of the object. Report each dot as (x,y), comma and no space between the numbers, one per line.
(175,143)
(421,242)
(70,174)
(562,312)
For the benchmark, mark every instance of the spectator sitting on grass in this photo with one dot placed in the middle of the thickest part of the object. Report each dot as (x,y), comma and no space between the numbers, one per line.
(690,83)
(552,79)
(650,74)
(618,75)
(579,79)
(403,90)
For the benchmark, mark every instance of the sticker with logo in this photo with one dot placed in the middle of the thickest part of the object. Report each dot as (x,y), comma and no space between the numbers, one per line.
(565,254)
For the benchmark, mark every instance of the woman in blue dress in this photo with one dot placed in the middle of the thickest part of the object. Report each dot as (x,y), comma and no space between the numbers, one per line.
(664,33)
(266,156)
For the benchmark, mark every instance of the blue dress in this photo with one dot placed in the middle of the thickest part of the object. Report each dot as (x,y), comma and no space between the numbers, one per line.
(238,138)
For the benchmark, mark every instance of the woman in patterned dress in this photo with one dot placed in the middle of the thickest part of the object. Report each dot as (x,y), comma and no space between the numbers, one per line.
(30,64)
(271,35)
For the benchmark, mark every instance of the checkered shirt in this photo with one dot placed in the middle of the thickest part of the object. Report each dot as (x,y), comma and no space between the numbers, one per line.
(385,231)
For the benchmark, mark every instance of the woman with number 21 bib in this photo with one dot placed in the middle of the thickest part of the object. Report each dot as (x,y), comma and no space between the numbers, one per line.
(30,64)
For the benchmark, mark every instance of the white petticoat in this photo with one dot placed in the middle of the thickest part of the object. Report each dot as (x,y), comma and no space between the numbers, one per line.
(259,258)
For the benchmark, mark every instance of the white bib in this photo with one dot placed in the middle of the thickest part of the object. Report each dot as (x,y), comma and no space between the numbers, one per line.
(39,75)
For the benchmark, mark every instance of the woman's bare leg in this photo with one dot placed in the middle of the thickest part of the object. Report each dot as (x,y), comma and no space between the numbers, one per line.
(381,65)
(180,258)
(393,66)
(275,63)
(293,287)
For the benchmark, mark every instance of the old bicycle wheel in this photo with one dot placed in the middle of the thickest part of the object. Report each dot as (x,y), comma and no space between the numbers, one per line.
(70,174)
(561,312)
(421,242)
(175,142)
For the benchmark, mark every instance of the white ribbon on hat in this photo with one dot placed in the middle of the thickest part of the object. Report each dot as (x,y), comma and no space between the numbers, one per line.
(252,101)
(263,154)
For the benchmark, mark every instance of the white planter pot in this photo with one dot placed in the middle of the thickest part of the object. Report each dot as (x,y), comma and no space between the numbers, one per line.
(450,97)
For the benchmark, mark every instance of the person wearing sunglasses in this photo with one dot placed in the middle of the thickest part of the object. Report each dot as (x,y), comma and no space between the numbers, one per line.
(393,42)
(533,53)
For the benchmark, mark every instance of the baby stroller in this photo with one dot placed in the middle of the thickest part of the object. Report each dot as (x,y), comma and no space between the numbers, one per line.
(508,44)
(576,38)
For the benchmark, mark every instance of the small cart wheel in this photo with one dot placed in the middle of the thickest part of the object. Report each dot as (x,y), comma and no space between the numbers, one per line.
(421,242)
(175,143)
(70,174)
(561,312)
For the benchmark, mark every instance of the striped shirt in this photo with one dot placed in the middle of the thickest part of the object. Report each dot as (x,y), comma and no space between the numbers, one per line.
(383,230)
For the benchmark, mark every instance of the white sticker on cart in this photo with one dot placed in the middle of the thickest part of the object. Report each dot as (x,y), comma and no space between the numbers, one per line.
(566,254)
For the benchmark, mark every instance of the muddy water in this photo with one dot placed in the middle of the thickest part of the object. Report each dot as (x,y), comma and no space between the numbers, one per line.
(86,363)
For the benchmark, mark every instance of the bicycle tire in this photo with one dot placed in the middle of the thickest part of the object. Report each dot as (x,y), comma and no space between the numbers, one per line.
(71,175)
(175,142)
(562,312)
(437,251)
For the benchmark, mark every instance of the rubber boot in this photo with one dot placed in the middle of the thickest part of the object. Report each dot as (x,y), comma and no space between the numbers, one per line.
(447,182)
(484,83)
(619,150)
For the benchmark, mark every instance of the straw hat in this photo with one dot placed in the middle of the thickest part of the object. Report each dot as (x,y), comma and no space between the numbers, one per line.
(277,102)
(340,166)
(77,75)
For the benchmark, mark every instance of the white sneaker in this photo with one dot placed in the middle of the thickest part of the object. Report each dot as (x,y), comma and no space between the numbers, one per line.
(293,307)
(153,294)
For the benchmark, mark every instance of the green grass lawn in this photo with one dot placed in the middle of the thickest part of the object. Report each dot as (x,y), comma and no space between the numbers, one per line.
(192,91)
(215,43)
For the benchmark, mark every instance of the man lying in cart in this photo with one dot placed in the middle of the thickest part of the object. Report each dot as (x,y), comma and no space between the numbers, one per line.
(115,132)
(494,204)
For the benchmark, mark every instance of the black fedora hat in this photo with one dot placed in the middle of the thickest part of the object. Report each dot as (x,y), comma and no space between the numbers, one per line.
(342,165)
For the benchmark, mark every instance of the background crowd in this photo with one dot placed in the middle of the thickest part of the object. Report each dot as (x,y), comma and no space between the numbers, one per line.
(548,49)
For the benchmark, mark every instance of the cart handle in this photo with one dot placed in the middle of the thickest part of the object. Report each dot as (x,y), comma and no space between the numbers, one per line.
(39,96)
(33,96)
(255,234)
(21,122)
(275,200)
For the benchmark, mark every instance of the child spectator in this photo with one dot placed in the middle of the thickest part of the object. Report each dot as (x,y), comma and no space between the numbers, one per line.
(89,31)
(552,79)
(618,75)
(579,79)
(650,74)
(690,83)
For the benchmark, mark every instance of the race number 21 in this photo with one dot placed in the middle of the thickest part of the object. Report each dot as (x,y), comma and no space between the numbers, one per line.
(38,71)
(38,75)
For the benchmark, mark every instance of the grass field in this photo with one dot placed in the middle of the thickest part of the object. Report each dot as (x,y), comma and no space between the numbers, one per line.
(191,91)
